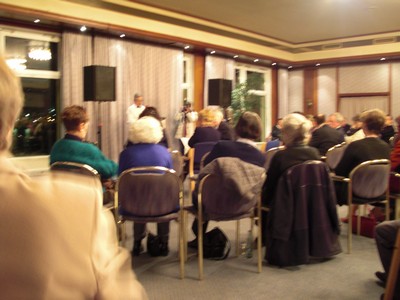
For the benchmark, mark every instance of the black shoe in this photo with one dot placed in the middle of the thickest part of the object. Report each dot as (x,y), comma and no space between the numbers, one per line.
(381,276)
(193,244)
(164,250)
(137,248)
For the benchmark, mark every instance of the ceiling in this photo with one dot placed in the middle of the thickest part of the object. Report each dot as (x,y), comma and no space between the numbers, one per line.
(295,21)
(339,30)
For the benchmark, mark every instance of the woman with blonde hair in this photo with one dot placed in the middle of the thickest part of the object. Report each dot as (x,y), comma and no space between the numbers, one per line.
(206,130)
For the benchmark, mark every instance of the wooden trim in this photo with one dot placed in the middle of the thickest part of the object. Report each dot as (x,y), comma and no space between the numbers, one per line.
(310,91)
(354,95)
(199,75)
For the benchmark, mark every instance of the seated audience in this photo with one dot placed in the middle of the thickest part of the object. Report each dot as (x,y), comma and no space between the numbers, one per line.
(395,167)
(57,241)
(371,147)
(338,122)
(206,130)
(143,150)
(324,136)
(153,112)
(276,130)
(385,237)
(387,131)
(355,132)
(73,147)
(223,126)
(248,130)
(295,135)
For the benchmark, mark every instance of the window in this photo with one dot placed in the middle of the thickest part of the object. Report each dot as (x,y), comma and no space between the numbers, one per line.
(187,86)
(258,99)
(34,58)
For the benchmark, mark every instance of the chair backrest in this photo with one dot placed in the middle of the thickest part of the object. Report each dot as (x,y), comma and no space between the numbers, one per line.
(203,159)
(270,154)
(370,179)
(74,168)
(196,154)
(177,162)
(231,188)
(334,155)
(148,192)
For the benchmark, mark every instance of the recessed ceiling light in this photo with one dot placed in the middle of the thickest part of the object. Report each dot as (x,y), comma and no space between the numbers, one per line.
(83,28)
(274,64)
(383,58)
(187,47)
(212,52)
(122,35)
(290,67)
(37,21)
(256,60)
(317,65)
(235,56)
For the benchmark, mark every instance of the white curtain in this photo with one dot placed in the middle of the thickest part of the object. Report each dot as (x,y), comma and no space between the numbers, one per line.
(351,106)
(217,68)
(154,72)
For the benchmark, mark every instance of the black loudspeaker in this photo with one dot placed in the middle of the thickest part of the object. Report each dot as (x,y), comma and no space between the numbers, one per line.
(220,92)
(99,83)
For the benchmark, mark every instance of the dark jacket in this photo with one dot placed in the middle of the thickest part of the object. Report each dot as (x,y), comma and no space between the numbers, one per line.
(303,221)
(325,137)
(204,134)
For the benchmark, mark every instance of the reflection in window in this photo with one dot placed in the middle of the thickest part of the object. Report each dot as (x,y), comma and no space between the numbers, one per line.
(29,54)
(35,131)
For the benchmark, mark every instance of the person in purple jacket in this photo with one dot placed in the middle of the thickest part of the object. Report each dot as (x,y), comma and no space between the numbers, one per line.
(143,150)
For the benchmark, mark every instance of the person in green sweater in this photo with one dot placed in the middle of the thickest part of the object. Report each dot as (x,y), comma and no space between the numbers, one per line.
(73,148)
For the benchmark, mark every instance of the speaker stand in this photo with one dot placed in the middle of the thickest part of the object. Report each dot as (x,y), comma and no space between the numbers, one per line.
(99,125)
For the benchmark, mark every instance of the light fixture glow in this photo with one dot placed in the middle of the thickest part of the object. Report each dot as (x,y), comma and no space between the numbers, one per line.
(274,64)
(37,21)
(256,60)
(122,35)
(290,67)
(212,52)
(236,56)
(83,28)
(383,58)
(187,47)
(317,65)
(39,50)
(17,64)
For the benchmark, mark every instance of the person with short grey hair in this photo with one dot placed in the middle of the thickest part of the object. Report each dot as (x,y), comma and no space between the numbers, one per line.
(295,135)
(135,109)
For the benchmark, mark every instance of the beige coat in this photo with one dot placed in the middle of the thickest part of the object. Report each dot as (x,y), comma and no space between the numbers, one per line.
(57,242)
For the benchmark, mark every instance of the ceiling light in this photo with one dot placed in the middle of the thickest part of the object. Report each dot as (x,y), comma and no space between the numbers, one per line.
(83,28)
(39,50)
(37,21)
(122,35)
(256,60)
(317,65)
(383,58)
(274,64)
(187,47)
(236,56)
(290,67)
(212,52)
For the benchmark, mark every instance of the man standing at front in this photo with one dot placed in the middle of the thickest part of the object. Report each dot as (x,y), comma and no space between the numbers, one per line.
(135,109)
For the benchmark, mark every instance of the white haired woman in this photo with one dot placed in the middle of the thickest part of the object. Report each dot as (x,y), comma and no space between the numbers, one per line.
(143,150)
(295,135)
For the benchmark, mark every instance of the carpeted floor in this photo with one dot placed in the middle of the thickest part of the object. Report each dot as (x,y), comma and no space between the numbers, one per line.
(346,276)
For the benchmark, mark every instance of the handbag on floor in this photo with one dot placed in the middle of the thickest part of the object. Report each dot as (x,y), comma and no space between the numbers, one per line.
(216,245)
(367,227)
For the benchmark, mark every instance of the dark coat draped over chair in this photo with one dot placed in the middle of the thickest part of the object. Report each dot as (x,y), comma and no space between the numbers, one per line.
(303,220)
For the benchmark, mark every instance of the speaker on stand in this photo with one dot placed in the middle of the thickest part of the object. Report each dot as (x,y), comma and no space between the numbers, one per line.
(220,92)
(99,86)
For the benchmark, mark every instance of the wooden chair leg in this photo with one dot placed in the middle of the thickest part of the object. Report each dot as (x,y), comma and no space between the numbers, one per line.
(200,244)
(237,238)
(394,270)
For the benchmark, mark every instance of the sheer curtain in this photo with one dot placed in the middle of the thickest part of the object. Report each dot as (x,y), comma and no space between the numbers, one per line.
(154,72)
(217,68)
(349,107)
